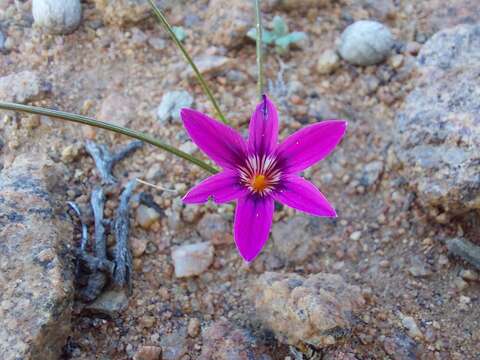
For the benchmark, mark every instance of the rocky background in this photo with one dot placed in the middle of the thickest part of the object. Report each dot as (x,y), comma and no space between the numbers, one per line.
(395,276)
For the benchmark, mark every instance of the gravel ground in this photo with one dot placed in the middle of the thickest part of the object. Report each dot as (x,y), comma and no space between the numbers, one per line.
(420,303)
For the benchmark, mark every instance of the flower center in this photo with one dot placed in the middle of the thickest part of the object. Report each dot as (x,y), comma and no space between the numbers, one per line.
(259,183)
(260,174)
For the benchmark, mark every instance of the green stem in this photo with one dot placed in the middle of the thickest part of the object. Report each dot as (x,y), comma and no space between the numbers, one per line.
(163,20)
(107,126)
(259,48)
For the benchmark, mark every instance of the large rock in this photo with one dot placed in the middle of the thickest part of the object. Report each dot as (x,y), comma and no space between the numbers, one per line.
(316,310)
(36,287)
(223,340)
(227,22)
(57,16)
(438,132)
(435,15)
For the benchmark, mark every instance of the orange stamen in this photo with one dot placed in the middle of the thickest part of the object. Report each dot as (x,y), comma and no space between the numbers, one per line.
(259,183)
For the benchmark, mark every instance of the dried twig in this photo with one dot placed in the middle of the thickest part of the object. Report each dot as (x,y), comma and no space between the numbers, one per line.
(97,201)
(94,264)
(76,210)
(147,200)
(99,265)
(97,268)
(121,226)
(466,250)
(105,160)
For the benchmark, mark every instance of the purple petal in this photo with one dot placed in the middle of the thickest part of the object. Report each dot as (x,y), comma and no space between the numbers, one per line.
(310,144)
(253,219)
(263,129)
(222,187)
(221,143)
(302,195)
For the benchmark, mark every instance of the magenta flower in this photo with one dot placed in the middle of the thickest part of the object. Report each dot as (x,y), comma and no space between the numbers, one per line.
(260,171)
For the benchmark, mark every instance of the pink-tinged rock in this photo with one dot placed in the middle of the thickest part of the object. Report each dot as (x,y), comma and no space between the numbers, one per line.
(36,287)
(316,310)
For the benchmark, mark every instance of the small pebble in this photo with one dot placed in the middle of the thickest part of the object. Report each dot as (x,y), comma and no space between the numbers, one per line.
(46,255)
(193,259)
(69,153)
(460,284)
(111,303)
(469,275)
(209,65)
(147,322)
(188,147)
(148,353)
(57,16)
(443,260)
(146,216)
(464,303)
(355,236)
(138,247)
(419,268)
(9,43)
(365,43)
(411,325)
(396,61)
(171,104)
(193,328)
(328,62)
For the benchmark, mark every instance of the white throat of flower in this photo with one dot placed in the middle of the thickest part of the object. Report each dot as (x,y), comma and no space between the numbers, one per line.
(260,174)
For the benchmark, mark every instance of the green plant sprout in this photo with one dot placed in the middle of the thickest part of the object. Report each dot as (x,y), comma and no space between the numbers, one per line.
(279,35)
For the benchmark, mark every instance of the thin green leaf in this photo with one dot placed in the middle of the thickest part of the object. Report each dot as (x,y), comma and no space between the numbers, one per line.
(107,126)
(163,20)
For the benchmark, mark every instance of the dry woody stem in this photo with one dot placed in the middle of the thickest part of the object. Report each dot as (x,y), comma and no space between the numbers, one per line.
(105,160)
(121,228)
(466,250)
